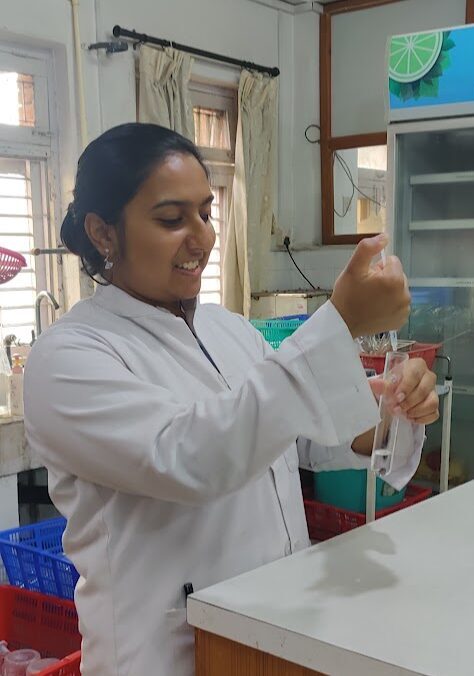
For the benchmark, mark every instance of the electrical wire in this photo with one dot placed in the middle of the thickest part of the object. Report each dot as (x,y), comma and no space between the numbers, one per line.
(297,267)
(348,173)
(311,126)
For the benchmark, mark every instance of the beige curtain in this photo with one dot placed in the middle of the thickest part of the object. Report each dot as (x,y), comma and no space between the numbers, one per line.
(163,96)
(251,211)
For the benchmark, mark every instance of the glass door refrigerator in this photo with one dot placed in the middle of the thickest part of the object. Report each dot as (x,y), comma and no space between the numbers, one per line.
(431,213)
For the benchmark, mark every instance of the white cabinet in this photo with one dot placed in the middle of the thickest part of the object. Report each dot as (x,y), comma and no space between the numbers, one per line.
(269,304)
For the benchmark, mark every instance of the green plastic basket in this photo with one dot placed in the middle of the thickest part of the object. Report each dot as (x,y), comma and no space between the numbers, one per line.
(276,330)
(347,489)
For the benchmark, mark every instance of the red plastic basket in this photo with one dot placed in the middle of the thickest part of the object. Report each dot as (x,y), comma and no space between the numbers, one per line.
(43,622)
(426,351)
(325,521)
(11,263)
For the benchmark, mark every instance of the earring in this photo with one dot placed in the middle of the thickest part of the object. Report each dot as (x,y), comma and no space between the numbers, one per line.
(108,265)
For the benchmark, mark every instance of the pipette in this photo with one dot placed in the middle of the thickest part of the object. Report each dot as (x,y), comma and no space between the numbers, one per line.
(392,334)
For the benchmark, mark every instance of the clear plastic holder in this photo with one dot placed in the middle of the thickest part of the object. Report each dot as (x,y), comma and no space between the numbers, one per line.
(16,662)
(385,438)
(3,652)
(38,666)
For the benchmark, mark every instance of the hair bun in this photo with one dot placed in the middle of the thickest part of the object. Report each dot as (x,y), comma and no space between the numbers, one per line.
(69,231)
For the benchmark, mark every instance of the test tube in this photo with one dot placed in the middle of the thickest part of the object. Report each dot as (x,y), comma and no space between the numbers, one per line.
(386,431)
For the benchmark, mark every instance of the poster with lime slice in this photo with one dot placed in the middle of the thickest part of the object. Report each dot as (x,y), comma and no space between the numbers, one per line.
(413,56)
(430,74)
(416,62)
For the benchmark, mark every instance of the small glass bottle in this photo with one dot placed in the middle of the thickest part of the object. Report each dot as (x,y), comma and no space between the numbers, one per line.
(5,373)
(16,386)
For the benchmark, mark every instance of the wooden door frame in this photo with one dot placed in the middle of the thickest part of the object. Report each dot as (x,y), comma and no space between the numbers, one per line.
(328,142)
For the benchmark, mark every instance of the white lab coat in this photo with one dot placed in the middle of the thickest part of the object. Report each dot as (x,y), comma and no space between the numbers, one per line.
(169,472)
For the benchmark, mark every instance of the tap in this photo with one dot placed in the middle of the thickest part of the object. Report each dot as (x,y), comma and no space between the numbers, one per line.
(51,299)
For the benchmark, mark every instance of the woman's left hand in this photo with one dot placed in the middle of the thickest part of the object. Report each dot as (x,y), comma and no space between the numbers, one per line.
(414,396)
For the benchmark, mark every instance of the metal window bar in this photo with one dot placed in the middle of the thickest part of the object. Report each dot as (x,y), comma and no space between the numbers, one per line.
(26,196)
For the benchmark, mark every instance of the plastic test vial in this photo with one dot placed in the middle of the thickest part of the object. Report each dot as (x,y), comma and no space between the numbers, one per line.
(386,431)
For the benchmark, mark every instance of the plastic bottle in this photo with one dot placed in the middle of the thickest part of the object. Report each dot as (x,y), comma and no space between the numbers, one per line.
(5,373)
(16,386)
(37,666)
(17,662)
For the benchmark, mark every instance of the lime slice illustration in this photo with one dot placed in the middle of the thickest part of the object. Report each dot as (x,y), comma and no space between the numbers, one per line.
(412,56)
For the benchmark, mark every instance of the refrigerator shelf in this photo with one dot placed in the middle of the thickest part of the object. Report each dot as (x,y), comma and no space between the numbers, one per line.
(446,177)
(467,390)
(442,224)
(461,282)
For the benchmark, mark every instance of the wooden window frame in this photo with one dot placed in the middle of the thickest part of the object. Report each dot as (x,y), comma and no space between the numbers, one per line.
(328,142)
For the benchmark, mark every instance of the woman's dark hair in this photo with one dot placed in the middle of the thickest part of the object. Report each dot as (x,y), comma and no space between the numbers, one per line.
(110,172)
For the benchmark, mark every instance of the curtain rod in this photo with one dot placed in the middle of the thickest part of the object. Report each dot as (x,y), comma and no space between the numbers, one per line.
(140,38)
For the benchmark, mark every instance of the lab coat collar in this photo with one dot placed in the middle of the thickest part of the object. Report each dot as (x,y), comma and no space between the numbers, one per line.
(120,303)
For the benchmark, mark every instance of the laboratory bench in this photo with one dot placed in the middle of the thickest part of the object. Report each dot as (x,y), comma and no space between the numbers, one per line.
(392,598)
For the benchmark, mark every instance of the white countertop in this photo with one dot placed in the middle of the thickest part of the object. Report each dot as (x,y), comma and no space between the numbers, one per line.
(395,597)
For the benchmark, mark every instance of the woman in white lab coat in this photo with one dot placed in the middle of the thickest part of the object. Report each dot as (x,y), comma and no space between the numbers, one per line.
(169,429)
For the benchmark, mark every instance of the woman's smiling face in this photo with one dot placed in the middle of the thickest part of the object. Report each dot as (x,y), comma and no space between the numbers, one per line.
(167,234)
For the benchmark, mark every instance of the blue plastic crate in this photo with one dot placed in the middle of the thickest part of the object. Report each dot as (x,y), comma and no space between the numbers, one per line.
(33,558)
(302,318)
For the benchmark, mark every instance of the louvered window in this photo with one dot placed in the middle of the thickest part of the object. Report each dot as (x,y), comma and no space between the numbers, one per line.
(215,123)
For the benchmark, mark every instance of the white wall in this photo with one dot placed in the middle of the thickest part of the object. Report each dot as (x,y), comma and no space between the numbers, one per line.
(238,28)
(242,29)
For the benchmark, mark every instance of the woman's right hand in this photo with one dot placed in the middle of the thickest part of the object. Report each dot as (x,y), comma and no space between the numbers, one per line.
(372,298)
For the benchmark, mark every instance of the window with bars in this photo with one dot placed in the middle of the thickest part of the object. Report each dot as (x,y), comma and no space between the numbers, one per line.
(21,225)
(26,175)
(211,285)
(215,124)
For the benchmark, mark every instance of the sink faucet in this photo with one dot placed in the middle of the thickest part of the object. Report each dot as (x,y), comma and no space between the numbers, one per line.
(51,299)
